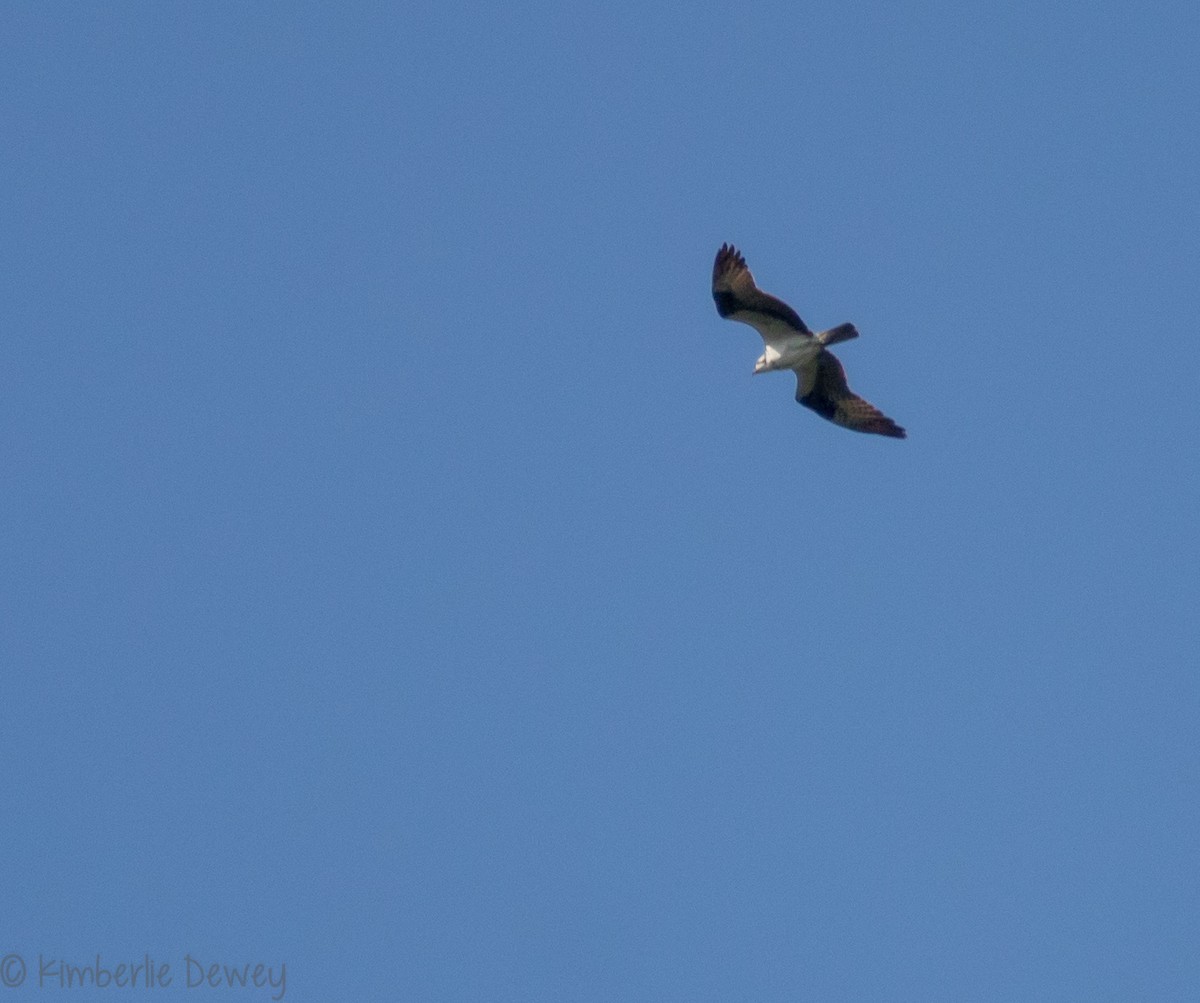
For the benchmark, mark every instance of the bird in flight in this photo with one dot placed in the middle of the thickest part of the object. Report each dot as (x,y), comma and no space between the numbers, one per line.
(789,344)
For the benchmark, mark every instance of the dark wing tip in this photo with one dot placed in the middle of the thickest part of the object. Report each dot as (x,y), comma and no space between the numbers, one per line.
(728,259)
(889,428)
(862,416)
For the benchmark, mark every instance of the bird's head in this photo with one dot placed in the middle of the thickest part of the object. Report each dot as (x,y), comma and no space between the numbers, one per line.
(761,366)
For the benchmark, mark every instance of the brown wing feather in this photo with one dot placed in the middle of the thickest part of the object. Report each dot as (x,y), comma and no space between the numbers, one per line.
(731,272)
(827,392)
(735,293)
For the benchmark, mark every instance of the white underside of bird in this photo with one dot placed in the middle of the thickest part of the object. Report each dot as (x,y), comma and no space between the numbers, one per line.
(788,352)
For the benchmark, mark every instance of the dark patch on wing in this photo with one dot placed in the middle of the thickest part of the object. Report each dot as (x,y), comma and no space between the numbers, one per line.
(822,405)
(727,303)
(832,398)
(772,307)
(734,292)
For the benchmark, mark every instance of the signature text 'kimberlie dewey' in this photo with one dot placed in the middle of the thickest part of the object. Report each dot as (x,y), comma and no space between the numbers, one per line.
(150,974)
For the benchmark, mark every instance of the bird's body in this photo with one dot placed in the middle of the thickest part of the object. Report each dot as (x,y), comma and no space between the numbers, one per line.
(789,344)
(788,352)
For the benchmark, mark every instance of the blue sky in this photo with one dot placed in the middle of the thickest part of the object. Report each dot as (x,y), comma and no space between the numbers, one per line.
(405,580)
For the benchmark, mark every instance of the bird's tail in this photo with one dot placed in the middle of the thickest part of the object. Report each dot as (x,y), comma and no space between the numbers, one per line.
(843,332)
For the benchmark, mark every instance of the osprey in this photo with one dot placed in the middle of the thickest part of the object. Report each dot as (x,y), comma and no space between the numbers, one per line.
(789,344)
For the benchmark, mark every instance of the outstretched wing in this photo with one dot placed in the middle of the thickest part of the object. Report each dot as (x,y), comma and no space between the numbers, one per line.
(821,385)
(738,298)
